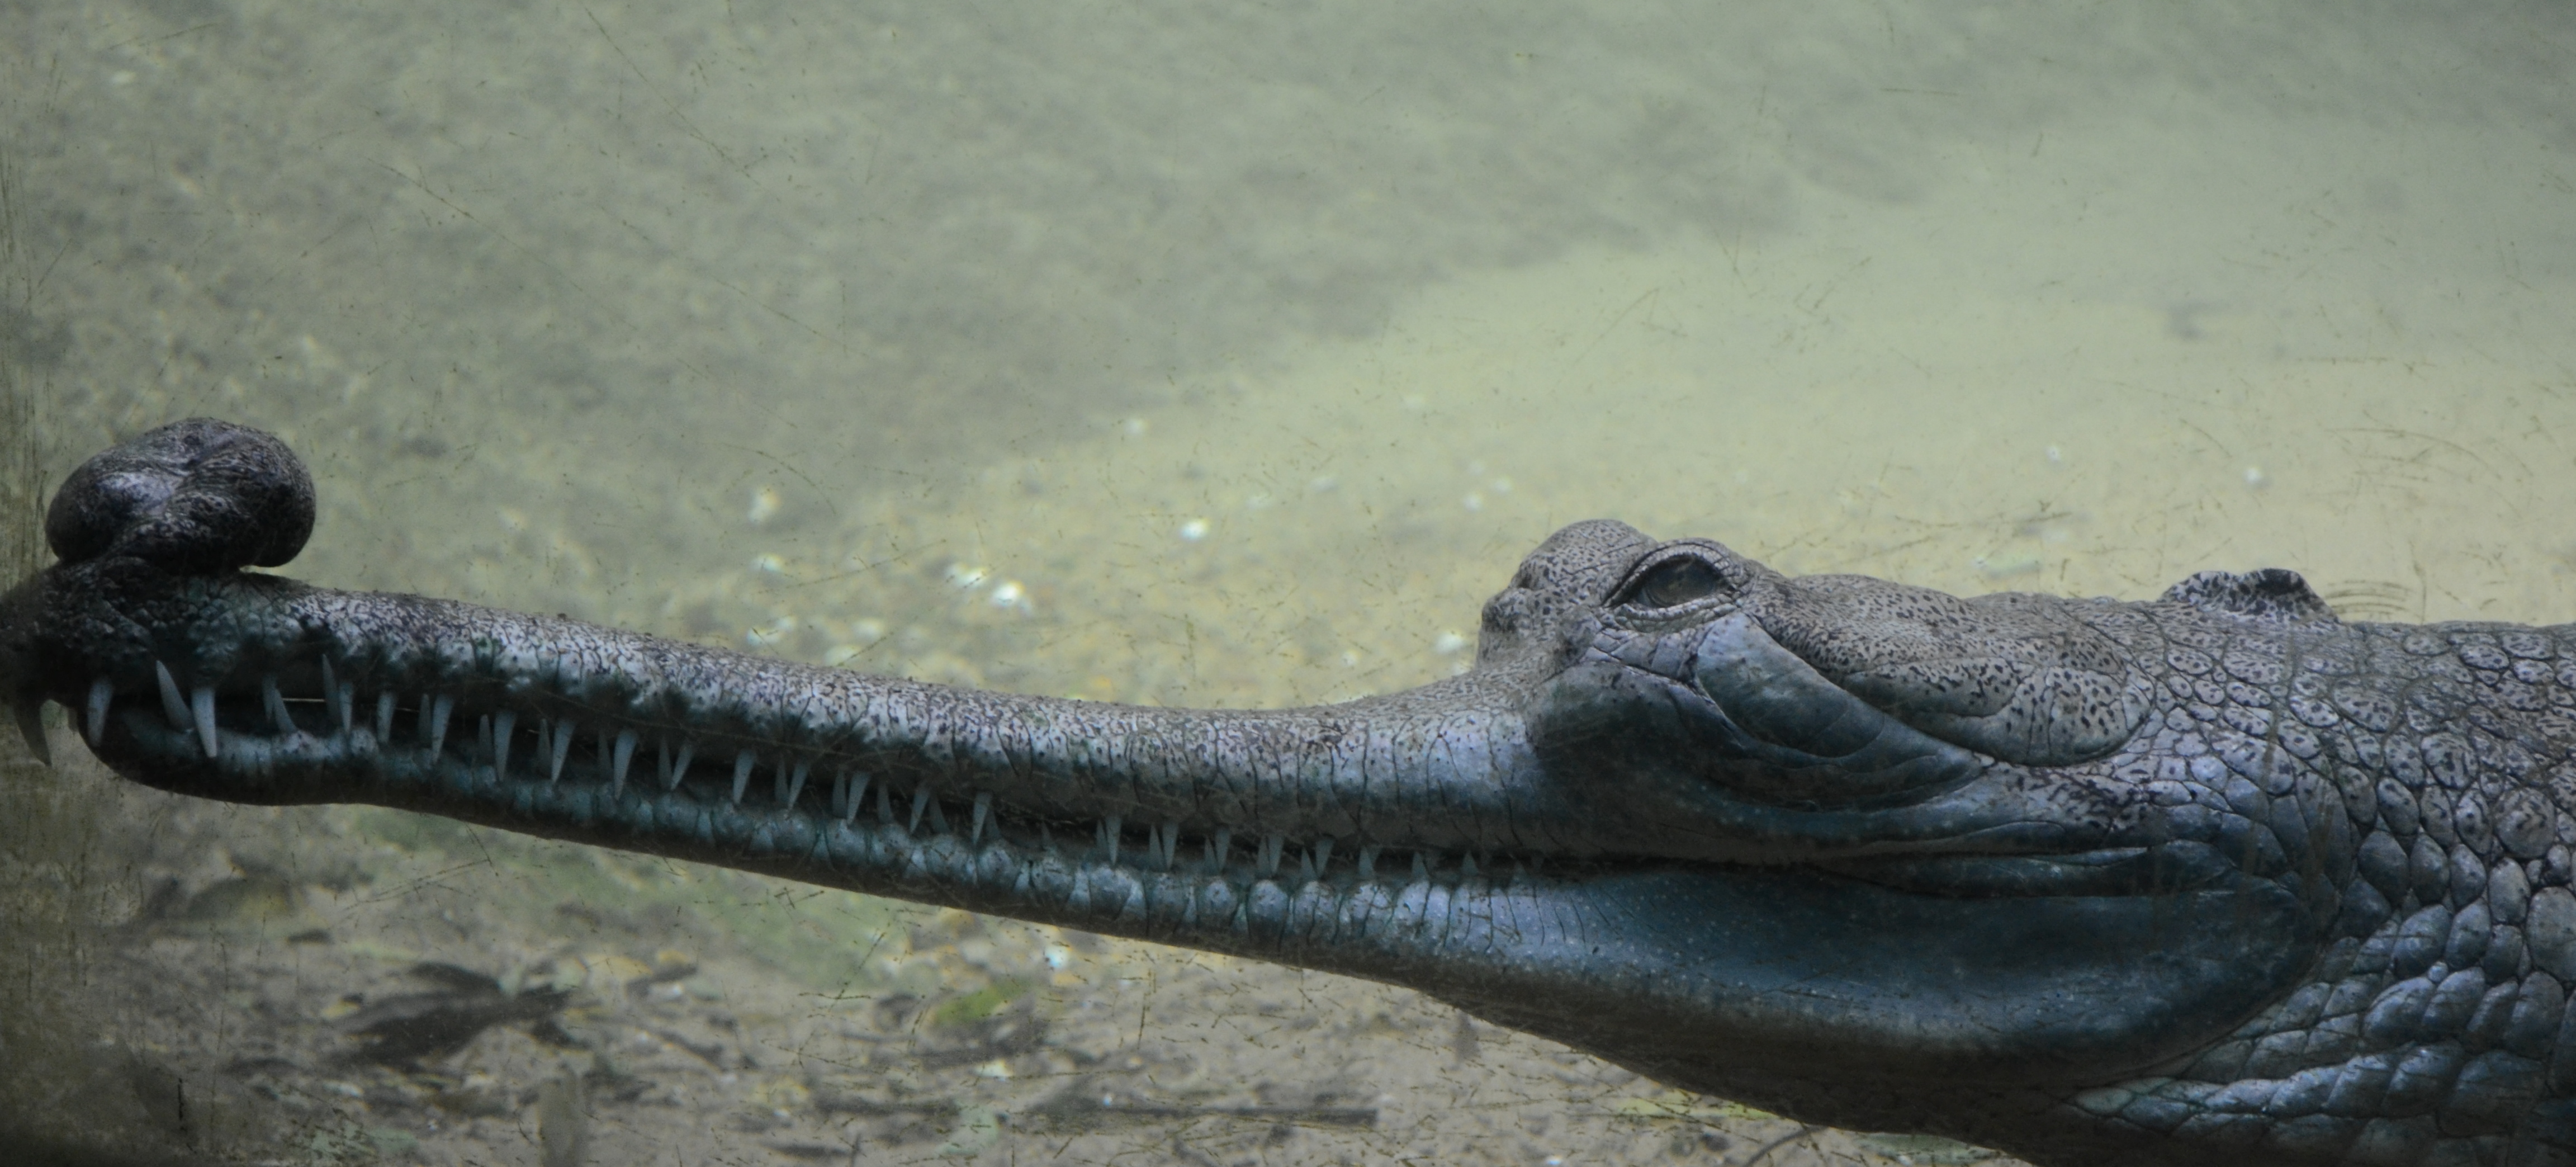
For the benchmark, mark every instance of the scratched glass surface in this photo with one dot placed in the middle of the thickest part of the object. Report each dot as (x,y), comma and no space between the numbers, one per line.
(1177,354)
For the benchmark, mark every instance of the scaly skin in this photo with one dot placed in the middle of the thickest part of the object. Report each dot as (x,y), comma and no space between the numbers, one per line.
(2216,878)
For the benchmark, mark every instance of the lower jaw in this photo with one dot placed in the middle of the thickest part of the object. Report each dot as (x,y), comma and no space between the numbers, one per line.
(1687,956)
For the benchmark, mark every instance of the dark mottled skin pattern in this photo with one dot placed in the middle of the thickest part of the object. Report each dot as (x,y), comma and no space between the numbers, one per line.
(2215,878)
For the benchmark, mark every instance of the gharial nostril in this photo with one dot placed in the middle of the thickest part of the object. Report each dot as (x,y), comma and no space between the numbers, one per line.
(196,496)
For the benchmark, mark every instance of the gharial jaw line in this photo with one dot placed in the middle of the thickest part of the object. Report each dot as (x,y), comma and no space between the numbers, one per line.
(536,761)
(1444,770)
(767,810)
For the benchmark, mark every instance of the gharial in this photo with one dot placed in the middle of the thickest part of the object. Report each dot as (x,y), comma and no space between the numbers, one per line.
(2213,878)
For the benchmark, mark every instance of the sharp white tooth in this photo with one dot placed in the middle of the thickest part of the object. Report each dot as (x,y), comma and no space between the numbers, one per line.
(275,703)
(983,810)
(1219,848)
(920,802)
(1109,828)
(1171,844)
(841,805)
(1467,865)
(101,691)
(337,696)
(1323,854)
(1271,846)
(173,706)
(562,746)
(796,783)
(502,724)
(1306,867)
(31,729)
(385,717)
(1368,862)
(742,764)
(421,711)
(441,708)
(625,757)
(680,765)
(885,804)
(202,700)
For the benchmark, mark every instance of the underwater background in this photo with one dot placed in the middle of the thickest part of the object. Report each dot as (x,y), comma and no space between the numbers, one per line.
(1174,354)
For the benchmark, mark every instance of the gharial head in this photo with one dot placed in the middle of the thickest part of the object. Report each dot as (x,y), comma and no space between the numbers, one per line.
(1883,834)
(1859,852)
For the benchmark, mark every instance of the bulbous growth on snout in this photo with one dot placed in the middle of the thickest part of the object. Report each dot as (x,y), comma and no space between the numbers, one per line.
(195,496)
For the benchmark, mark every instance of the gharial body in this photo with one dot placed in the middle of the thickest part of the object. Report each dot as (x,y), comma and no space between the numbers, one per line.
(2212,878)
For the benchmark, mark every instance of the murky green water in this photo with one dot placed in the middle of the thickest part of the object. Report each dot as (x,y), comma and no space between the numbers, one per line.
(1185,355)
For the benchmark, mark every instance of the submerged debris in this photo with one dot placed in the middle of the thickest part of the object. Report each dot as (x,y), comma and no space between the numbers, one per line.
(403,1030)
(1085,1106)
(563,1122)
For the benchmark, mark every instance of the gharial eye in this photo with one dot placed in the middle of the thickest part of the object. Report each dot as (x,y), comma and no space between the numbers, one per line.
(1676,582)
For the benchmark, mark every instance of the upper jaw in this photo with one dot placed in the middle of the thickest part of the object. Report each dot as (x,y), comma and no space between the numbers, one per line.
(182,679)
